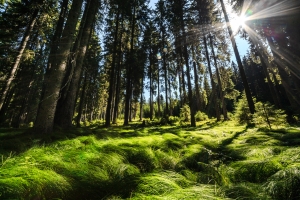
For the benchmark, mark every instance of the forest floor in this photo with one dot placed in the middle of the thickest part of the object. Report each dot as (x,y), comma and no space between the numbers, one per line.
(221,160)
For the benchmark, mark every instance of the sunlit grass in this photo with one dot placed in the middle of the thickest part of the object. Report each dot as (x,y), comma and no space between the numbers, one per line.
(211,161)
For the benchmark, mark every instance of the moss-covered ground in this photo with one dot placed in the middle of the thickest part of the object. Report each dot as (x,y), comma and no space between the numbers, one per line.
(211,161)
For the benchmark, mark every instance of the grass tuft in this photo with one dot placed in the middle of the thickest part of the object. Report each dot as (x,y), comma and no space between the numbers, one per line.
(284,184)
(255,171)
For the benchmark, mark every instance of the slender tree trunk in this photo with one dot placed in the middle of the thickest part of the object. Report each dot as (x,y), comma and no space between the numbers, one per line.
(170,98)
(117,99)
(213,84)
(142,101)
(219,80)
(16,64)
(129,70)
(166,85)
(158,91)
(182,78)
(179,81)
(151,82)
(198,96)
(55,75)
(112,73)
(186,57)
(239,61)
(119,69)
(82,100)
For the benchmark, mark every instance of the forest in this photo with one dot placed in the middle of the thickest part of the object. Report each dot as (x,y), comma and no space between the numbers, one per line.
(144,99)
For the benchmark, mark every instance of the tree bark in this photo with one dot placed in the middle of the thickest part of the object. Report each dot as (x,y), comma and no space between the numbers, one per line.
(55,75)
(57,34)
(65,113)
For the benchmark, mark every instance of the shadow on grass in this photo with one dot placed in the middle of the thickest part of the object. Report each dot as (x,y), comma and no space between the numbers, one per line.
(225,154)
(120,187)
(20,140)
(289,137)
(229,140)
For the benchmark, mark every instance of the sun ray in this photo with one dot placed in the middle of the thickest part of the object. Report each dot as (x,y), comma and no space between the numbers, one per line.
(256,39)
(279,9)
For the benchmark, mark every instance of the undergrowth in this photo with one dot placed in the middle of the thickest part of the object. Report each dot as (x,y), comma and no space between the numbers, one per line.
(212,161)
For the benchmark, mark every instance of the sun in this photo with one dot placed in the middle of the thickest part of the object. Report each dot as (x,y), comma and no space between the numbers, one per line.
(237,22)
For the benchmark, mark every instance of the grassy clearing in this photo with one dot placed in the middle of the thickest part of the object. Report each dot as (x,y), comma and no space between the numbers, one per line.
(211,161)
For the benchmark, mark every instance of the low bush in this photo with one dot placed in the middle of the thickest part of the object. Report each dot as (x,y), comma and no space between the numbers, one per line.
(185,115)
(242,111)
(267,116)
(201,116)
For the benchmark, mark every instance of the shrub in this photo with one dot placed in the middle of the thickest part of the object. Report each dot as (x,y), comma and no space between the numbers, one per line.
(185,115)
(242,111)
(201,116)
(173,120)
(266,115)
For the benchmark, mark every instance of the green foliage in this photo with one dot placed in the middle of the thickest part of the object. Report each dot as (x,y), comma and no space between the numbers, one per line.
(242,111)
(201,116)
(185,115)
(173,119)
(266,115)
(284,184)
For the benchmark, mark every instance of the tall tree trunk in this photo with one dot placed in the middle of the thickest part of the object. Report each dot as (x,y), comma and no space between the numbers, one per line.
(186,57)
(239,61)
(214,95)
(142,101)
(182,79)
(72,62)
(223,102)
(112,73)
(55,75)
(170,97)
(166,85)
(129,70)
(65,112)
(82,100)
(151,80)
(158,91)
(16,64)
(197,88)
(117,99)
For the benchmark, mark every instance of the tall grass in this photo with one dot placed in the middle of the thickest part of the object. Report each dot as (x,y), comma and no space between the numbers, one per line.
(211,161)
